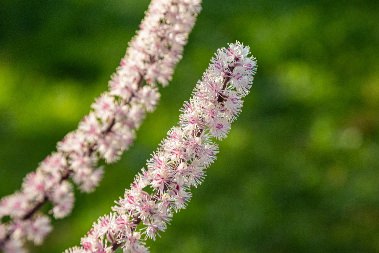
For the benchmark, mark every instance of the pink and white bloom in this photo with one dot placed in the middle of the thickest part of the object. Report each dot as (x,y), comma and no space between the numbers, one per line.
(38,229)
(181,160)
(110,128)
(62,197)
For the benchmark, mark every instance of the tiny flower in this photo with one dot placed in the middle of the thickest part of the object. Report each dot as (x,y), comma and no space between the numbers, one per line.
(72,143)
(104,107)
(219,128)
(106,147)
(89,244)
(52,168)
(38,229)
(62,197)
(148,97)
(118,87)
(87,178)
(133,244)
(15,205)
(233,104)
(91,127)
(241,81)
(34,186)
(195,174)
(136,114)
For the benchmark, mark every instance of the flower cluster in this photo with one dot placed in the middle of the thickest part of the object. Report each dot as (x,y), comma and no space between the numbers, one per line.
(107,131)
(181,160)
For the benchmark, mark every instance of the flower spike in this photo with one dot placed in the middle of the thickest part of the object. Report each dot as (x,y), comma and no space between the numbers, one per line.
(181,159)
(107,131)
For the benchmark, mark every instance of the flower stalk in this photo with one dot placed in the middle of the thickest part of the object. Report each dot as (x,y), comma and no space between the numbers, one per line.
(181,160)
(107,131)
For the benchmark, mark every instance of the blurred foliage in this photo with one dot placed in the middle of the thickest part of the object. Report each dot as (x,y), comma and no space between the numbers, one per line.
(300,169)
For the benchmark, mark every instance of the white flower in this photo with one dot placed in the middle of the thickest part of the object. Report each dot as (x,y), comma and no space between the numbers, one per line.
(34,185)
(119,88)
(219,128)
(15,205)
(62,197)
(72,143)
(91,127)
(104,107)
(38,229)
(148,96)
(87,178)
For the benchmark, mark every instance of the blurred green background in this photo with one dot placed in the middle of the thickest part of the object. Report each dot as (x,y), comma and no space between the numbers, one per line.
(299,171)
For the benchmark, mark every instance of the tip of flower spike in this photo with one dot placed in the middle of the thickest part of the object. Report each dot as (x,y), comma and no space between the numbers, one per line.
(238,49)
(218,97)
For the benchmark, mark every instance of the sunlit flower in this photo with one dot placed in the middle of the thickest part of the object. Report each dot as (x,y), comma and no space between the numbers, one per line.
(109,129)
(181,159)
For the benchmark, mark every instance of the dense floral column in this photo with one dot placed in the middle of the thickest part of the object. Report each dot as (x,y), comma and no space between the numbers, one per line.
(181,160)
(107,131)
